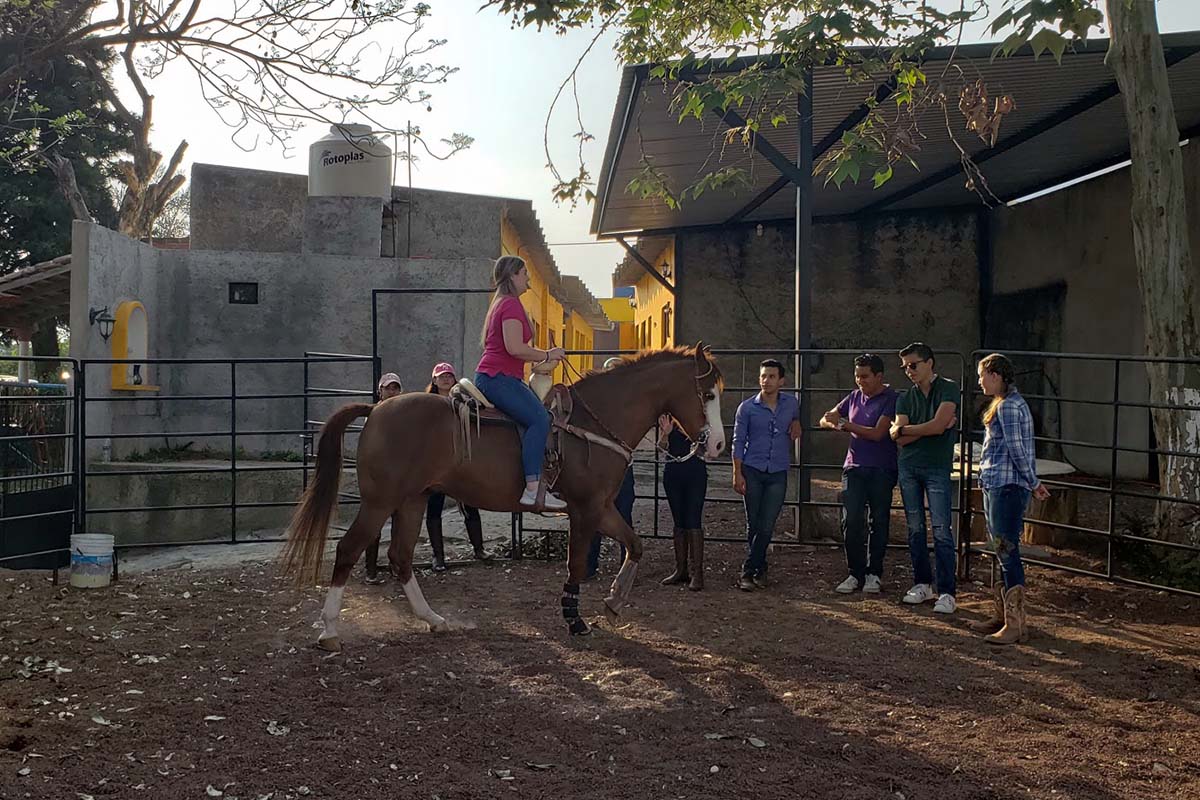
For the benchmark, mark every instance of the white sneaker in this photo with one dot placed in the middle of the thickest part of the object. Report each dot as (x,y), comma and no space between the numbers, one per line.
(918,594)
(552,502)
(872,585)
(945,605)
(847,586)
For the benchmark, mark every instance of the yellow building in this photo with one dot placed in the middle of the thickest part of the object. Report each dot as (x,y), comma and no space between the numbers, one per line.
(620,311)
(654,304)
(563,312)
(584,320)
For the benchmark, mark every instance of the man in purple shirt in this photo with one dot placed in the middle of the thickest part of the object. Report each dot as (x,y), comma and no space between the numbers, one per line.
(763,432)
(868,474)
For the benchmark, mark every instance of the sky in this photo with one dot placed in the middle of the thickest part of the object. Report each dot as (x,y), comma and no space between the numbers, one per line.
(500,95)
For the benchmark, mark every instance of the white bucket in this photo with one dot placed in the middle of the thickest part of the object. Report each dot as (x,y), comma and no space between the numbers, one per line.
(91,560)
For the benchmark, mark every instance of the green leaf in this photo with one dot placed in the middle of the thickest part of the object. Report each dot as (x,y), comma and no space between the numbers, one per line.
(882,176)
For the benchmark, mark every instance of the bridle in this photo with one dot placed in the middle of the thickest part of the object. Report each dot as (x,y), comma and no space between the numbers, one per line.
(616,443)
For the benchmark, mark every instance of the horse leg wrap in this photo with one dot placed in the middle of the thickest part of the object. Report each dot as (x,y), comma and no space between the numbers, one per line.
(570,609)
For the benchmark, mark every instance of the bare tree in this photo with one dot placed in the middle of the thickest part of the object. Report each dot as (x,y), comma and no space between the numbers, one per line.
(266,67)
(175,220)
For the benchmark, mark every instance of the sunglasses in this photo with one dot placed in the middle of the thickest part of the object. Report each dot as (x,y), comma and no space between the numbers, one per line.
(909,366)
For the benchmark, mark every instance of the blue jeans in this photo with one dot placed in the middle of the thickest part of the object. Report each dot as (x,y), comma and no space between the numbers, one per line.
(764,499)
(514,398)
(917,483)
(1004,508)
(624,503)
(866,489)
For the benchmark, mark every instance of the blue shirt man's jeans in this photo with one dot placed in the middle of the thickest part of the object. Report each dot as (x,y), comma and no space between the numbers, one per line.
(1004,508)
(765,492)
(917,483)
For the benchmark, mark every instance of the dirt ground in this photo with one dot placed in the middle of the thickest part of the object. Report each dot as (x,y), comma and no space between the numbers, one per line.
(203,682)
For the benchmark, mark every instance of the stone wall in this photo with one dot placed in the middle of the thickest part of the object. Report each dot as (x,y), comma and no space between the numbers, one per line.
(878,284)
(1074,250)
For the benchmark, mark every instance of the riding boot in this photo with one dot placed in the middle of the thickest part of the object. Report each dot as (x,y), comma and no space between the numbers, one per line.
(434,526)
(696,558)
(1014,629)
(680,575)
(475,534)
(996,621)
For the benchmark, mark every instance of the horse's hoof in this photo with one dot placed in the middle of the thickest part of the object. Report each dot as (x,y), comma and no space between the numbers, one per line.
(452,626)
(331,645)
(614,616)
(579,628)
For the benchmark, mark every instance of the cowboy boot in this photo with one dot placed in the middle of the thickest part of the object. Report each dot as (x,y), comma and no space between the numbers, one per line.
(475,535)
(1014,618)
(680,575)
(434,526)
(996,621)
(696,556)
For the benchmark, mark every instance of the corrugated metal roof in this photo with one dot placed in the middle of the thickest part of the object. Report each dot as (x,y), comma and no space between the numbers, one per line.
(1068,120)
(35,293)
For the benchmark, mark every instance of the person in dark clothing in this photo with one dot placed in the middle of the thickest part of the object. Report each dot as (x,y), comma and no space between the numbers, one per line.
(441,383)
(686,483)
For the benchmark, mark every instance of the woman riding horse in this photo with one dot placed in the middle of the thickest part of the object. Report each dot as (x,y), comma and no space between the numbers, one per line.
(414,445)
(500,375)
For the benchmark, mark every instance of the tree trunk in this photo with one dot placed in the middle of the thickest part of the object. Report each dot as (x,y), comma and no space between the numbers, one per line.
(44,342)
(1163,254)
(64,173)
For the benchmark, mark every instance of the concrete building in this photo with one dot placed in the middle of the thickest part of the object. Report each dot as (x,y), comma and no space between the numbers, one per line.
(923,258)
(273,272)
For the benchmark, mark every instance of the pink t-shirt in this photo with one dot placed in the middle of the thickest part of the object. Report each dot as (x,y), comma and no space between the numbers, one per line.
(496,358)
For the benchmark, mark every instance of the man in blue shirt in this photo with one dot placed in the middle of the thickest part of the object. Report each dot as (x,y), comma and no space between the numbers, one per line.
(763,432)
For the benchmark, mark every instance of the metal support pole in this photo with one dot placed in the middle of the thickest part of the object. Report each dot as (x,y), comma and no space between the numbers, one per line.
(804,276)
(1112,477)
(233,452)
(375,343)
(304,438)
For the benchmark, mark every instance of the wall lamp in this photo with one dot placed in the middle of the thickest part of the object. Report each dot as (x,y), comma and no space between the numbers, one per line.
(105,320)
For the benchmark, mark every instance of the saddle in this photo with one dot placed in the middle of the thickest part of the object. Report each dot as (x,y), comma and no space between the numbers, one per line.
(470,404)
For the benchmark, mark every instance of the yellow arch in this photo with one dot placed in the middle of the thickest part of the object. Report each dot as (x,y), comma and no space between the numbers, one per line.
(120,346)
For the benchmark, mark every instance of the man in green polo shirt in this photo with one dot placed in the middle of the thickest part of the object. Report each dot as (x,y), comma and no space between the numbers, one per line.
(926,416)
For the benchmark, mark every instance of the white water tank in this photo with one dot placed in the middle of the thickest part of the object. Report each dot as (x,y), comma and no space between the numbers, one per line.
(350,161)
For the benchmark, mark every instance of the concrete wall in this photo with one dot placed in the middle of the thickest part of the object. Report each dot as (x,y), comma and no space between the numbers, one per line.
(1082,238)
(878,284)
(306,302)
(247,209)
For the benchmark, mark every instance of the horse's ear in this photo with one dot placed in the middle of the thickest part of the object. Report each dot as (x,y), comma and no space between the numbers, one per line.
(701,352)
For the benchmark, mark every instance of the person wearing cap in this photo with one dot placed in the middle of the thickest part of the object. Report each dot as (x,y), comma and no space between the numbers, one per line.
(389,386)
(442,380)
(623,502)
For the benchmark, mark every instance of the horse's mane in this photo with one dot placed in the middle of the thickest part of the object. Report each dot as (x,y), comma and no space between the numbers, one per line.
(648,358)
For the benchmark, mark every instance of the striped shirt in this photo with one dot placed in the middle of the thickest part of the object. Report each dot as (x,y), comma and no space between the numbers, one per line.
(1009,456)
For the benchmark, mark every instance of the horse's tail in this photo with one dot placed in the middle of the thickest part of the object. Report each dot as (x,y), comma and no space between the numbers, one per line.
(309,527)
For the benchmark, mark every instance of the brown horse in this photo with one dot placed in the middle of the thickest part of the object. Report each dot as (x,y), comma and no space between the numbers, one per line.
(413,444)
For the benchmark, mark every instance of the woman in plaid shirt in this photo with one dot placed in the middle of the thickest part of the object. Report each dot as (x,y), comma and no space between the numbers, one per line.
(1008,476)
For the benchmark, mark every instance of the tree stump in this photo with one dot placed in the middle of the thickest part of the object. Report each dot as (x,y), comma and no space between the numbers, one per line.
(1062,506)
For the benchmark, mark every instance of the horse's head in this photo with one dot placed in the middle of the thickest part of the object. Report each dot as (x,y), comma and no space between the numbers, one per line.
(697,408)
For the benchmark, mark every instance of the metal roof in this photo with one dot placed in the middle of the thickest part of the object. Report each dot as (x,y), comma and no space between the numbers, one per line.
(35,293)
(1069,121)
